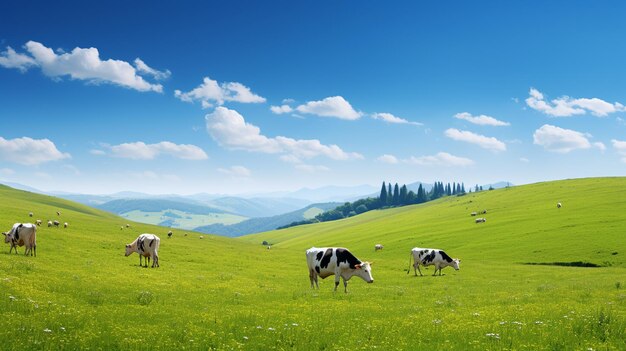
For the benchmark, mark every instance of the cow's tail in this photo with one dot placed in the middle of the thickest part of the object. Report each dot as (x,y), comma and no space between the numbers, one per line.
(410,259)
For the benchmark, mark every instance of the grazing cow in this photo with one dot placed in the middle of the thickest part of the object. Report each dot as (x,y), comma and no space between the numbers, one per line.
(558,205)
(483,212)
(201,237)
(65,225)
(58,213)
(146,245)
(378,247)
(127,225)
(22,234)
(38,222)
(481,220)
(336,261)
(49,224)
(121,227)
(30,214)
(431,257)
(169,234)
(56,223)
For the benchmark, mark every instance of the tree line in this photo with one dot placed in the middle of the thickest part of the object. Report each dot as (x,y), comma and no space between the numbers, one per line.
(389,196)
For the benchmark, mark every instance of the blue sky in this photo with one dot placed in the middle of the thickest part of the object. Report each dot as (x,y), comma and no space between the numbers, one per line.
(244,96)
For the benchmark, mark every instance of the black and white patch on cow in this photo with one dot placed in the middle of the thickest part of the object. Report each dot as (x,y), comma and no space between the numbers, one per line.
(431,257)
(337,261)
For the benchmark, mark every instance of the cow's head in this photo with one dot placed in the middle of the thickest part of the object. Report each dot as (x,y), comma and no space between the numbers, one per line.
(455,263)
(129,250)
(364,271)
(7,237)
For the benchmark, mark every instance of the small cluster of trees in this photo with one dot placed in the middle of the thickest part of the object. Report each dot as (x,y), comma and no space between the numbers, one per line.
(390,196)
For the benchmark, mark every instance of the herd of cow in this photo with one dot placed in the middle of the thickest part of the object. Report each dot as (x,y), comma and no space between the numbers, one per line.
(340,262)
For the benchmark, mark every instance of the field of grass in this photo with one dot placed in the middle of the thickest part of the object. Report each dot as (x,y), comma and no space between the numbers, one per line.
(80,292)
(182,219)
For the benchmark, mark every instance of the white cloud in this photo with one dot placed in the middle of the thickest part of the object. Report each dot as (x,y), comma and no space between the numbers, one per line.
(10,59)
(481,120)
(279,110)
(142,151)
(211,92)
(391,159)
(560,140)
(145,69)
(334,106)
(97,152)
(83,64)
(524,159)
(489,143)
(440,159)
(7,171)
(566,106)
(312,168)
(600,146)
(236,171)
(620,146)
(389,118)
(29,152)
(230,130)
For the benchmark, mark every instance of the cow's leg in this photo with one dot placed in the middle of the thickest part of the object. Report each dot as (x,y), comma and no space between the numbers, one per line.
(345,285)
(418,268)
(336,281)
(35,249)
(312,277)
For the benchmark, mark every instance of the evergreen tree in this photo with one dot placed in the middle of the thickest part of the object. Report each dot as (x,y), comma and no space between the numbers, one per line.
(396,195)
(403,195)
(463,188)
(389,194)
(411,197)
(458,189)
(448,191)
(454,192)
(383,195)
(421,195)
(477,188)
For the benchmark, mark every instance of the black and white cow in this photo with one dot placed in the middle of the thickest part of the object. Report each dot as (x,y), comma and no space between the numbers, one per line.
(337,261)
(22,234)
(146,245)
(431,257)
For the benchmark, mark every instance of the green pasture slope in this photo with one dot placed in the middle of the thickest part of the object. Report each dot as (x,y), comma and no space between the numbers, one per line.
(80,292)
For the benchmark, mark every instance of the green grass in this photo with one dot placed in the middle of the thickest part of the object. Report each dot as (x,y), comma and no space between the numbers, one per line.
(182,219)
(80,292)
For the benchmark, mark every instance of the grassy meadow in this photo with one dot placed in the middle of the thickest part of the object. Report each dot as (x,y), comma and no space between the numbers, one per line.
(182,219)
(80,292)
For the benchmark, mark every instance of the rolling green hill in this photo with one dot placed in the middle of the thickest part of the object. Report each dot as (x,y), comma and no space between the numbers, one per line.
(80,292)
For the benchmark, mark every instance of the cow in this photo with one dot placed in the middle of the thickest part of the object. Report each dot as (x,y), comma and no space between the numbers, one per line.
(558,205)
(121,227)
(38,222)
(65,225)
(378,247)
(169,234)
(473,214)
(337,261)
(49,224)
(56,223)
(58,213)
(431,257)
(146,245)
(30,214)
(22,234)
(481,220)
(127,225)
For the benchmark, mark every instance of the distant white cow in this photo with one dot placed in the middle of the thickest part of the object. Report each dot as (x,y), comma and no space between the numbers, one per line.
(169,234)
(431,257)
(473,214)
(127,225)
(56,223)
(481,220)
(65,225)
(121,227)
(22,234)
(378,247)
(558,205)
(38,222)
(30,214)
(337,261)
(146,245)
(49,224)
(58,213)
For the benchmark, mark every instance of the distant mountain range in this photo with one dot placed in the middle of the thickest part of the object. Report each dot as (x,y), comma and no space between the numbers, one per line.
(257,225)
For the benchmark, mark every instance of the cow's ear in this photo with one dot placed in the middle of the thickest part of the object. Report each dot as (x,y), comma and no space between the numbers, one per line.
(5,234)
(357,266)
(371,263)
